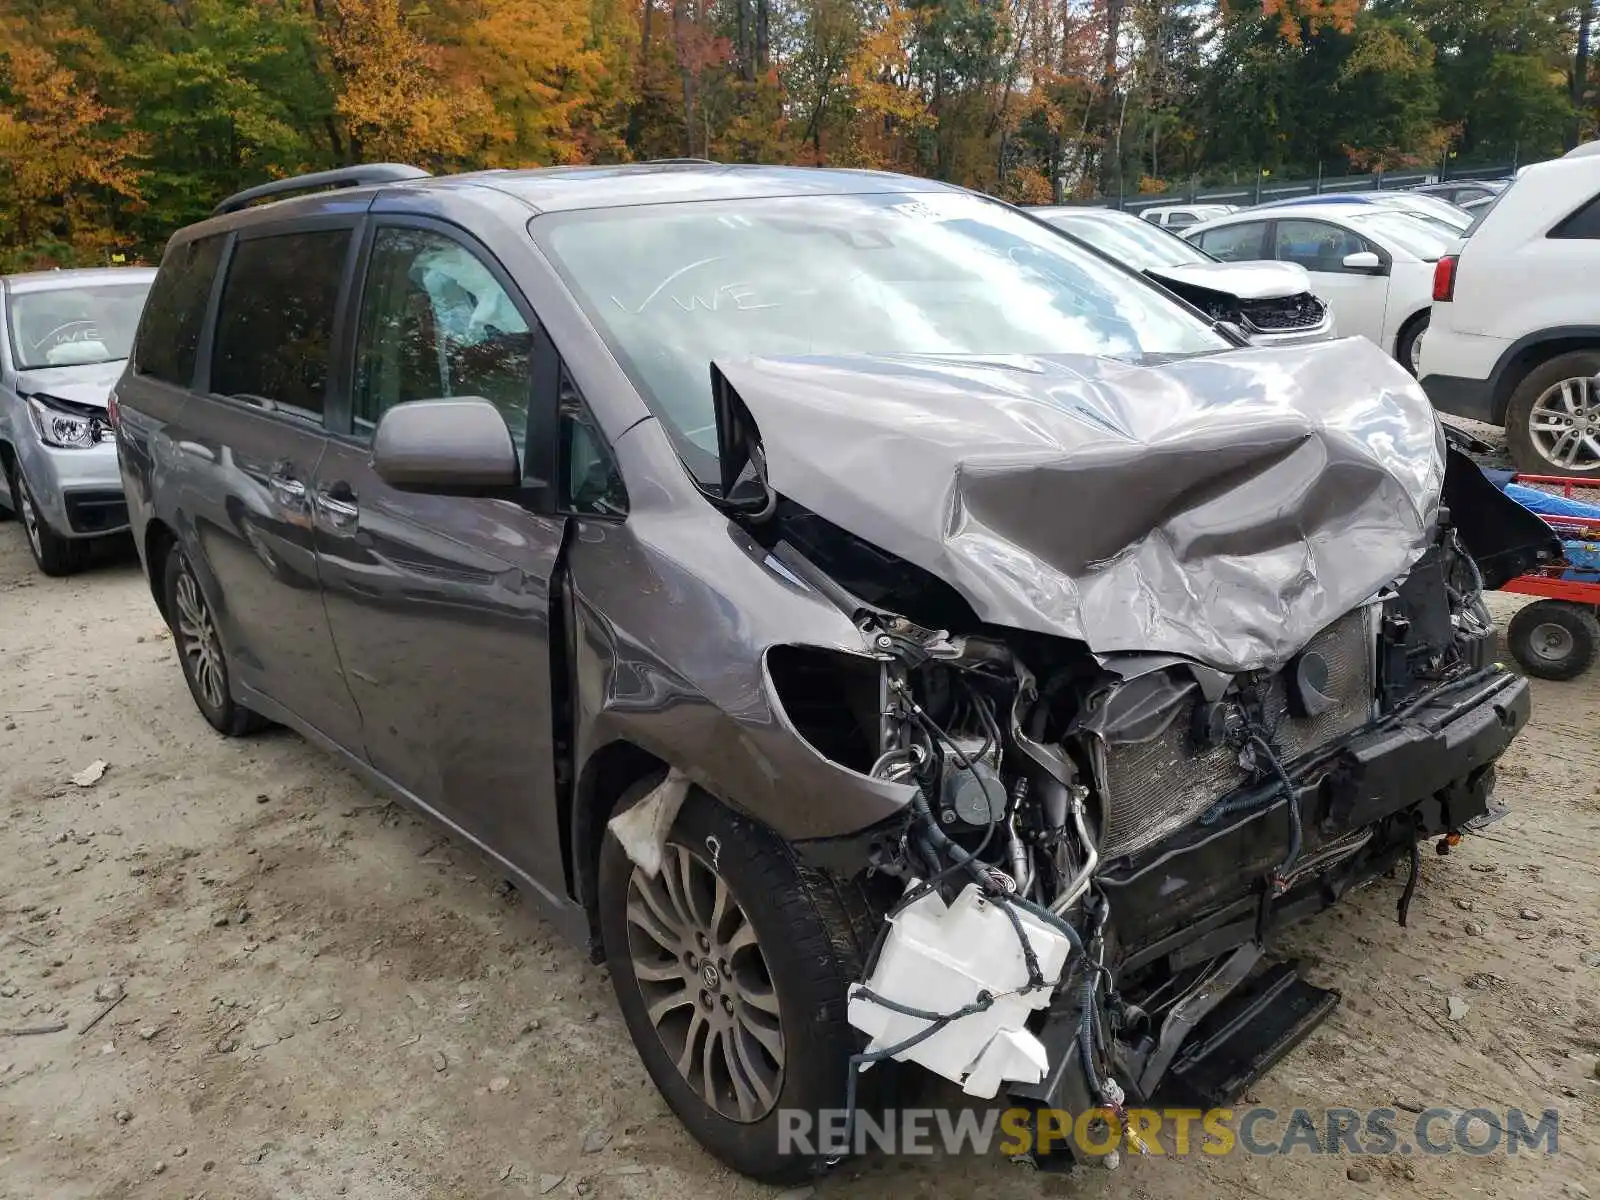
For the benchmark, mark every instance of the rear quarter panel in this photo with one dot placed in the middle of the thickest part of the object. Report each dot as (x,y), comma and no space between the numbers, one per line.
(1513,279)
(147,409)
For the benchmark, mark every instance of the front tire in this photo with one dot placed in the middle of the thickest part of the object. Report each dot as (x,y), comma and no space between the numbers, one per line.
(200,653)
(1553,420)
(731,970)
(1554,639)
(55,555)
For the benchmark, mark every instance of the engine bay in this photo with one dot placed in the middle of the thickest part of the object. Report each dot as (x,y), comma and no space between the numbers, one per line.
(1056,788)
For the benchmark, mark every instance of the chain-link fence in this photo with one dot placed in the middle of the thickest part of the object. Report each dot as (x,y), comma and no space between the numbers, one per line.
(1264,187)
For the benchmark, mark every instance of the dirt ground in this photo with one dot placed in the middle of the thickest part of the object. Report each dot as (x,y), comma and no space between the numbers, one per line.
(324,997)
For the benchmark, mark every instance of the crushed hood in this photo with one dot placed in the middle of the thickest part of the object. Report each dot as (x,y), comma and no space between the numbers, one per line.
(88,384)
(1225,508)
(1246,280)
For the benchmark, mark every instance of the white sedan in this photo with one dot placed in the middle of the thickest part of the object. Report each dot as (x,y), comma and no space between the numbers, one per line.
(1373,265)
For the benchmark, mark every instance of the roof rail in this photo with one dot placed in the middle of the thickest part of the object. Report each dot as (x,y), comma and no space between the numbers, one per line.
(357,176)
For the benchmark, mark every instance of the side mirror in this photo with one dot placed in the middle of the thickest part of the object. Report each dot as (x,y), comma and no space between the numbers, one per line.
(1363,260)
(456,445)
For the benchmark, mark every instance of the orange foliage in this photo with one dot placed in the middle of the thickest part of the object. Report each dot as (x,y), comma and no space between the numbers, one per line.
(1311,15)
(395,95)
(549,74)
(879,73)
(61,169)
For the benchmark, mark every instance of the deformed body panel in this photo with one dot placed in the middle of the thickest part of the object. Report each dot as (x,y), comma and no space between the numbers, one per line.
(1225,508)
(674,661)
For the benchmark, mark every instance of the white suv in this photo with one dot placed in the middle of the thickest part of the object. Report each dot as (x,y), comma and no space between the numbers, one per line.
(1515,333)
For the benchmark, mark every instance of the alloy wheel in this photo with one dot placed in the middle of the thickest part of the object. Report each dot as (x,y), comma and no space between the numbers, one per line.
(706,986)
(1564,424)
(197,640)
(30,516)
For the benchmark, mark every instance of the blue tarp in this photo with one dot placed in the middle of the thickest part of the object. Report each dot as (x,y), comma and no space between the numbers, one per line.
(1582,553)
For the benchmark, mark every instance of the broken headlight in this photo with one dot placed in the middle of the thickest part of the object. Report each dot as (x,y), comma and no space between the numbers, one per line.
(68,426)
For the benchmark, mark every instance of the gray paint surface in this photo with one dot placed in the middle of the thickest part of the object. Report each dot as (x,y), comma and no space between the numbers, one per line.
(1225,507)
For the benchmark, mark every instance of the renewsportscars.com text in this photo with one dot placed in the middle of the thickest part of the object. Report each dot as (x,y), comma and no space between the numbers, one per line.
(1218,1131)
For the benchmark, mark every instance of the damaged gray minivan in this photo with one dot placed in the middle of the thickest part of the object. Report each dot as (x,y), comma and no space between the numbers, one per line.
(877,627)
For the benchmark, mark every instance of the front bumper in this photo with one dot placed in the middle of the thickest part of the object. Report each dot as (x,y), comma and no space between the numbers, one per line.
(1364,803)
(1417,773)
(1323,332)
(78,493)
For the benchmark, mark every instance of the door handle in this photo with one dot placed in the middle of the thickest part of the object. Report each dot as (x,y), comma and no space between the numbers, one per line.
(338,504)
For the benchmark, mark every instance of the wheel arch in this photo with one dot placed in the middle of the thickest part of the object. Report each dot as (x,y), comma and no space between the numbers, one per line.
(1421,316)
(8,460)
(608,773)
(159,540)
(1529,352)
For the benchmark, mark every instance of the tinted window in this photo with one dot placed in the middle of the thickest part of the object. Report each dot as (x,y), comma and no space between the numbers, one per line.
(274,336)
(1583,224)
(1316,245)
(1178,220)
(435,323)
(1235,243)
(674,287)
(169,332)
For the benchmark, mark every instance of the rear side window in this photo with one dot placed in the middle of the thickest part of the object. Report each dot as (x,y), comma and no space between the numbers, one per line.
(1584,224)
(169,332)
(274,337)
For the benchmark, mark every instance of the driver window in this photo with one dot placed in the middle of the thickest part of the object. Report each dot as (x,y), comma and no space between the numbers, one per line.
(1317,246)
(435,323)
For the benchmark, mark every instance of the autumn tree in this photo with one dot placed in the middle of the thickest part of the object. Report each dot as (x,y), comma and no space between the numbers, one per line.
(125,119)
(555,74)
(398,94)
(67,165)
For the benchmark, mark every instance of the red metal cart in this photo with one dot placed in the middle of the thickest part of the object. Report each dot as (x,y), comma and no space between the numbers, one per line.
(1558,635)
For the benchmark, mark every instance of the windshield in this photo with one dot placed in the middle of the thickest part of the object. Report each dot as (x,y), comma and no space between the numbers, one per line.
(75,326)
(1137,243)
(1435,209)
(1411,232)
(674,287)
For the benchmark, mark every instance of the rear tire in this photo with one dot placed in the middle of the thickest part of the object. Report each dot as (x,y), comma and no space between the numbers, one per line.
(200,653)
(1533,403)
(1409,344)
(1554,639)
(55,555)
(794,946)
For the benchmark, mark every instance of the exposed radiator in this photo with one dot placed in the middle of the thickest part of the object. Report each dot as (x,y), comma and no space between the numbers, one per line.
(1155,787)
